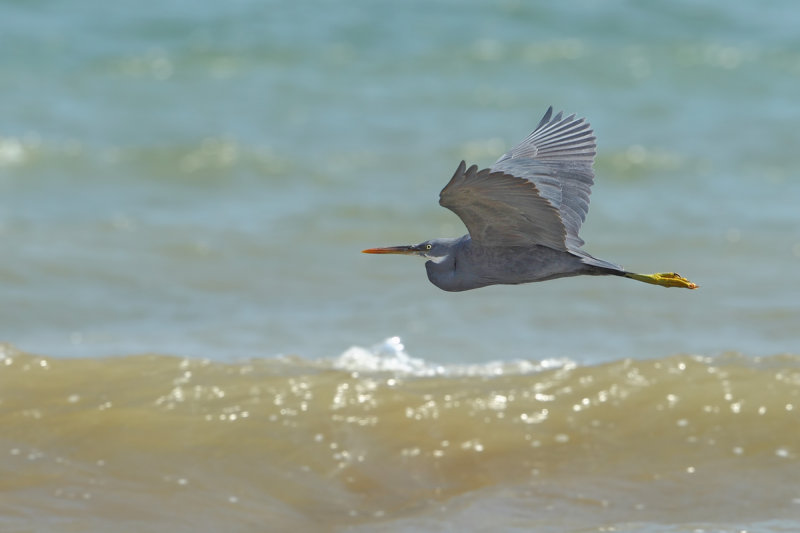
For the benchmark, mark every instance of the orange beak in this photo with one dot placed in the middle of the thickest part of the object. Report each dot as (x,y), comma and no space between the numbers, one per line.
(405,250)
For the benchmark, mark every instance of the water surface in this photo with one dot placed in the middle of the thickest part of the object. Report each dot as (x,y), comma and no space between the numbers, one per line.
(184,193)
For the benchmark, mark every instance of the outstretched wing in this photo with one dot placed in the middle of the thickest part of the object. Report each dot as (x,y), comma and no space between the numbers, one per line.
(557,159)
(502,210)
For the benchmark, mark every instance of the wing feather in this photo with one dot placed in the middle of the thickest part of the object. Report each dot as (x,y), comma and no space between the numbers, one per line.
(557,159)
(537,193)
(499,209)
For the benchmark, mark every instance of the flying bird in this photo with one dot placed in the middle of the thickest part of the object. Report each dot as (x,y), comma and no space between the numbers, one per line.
(523,215)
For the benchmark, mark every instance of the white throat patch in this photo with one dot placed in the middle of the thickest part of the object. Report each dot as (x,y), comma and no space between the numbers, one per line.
(436,259)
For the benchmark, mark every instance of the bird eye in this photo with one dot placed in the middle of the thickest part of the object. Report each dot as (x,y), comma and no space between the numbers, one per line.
(428,246)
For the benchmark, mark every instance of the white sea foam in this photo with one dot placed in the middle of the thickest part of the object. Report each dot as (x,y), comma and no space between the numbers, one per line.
(391,356)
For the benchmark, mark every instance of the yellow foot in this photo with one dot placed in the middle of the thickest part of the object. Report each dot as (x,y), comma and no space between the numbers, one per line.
(665,279)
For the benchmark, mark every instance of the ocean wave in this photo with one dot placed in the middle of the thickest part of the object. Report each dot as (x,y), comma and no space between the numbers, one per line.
(375,437)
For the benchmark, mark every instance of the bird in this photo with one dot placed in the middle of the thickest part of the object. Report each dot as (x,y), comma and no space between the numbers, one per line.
(523,215)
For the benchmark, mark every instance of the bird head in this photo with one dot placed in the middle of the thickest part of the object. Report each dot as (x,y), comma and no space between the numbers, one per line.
(435,249)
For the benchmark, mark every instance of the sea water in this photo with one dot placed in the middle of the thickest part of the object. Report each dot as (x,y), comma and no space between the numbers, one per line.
(195,342)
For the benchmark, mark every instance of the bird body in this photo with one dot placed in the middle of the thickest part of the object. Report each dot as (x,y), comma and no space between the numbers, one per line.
(523,215)
(468,265)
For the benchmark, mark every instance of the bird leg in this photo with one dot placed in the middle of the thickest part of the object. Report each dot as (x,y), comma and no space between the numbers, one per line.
(665,279)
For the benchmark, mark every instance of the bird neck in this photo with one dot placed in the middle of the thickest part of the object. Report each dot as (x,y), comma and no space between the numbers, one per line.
(443,273)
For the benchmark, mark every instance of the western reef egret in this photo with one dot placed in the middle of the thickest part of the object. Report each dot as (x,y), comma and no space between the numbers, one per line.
(523,215)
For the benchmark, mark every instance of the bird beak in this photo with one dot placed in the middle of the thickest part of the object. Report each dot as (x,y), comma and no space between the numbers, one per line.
(406,250)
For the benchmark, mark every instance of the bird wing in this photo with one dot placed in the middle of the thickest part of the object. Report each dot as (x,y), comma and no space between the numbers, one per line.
(557,159)
(502,210)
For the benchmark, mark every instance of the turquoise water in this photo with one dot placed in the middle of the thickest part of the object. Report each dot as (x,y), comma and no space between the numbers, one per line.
(197,179)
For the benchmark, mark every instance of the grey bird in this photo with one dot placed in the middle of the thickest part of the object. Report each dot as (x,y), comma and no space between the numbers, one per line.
(523,215)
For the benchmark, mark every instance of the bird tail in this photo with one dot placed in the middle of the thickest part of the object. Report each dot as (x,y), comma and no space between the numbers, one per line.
(602,264)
